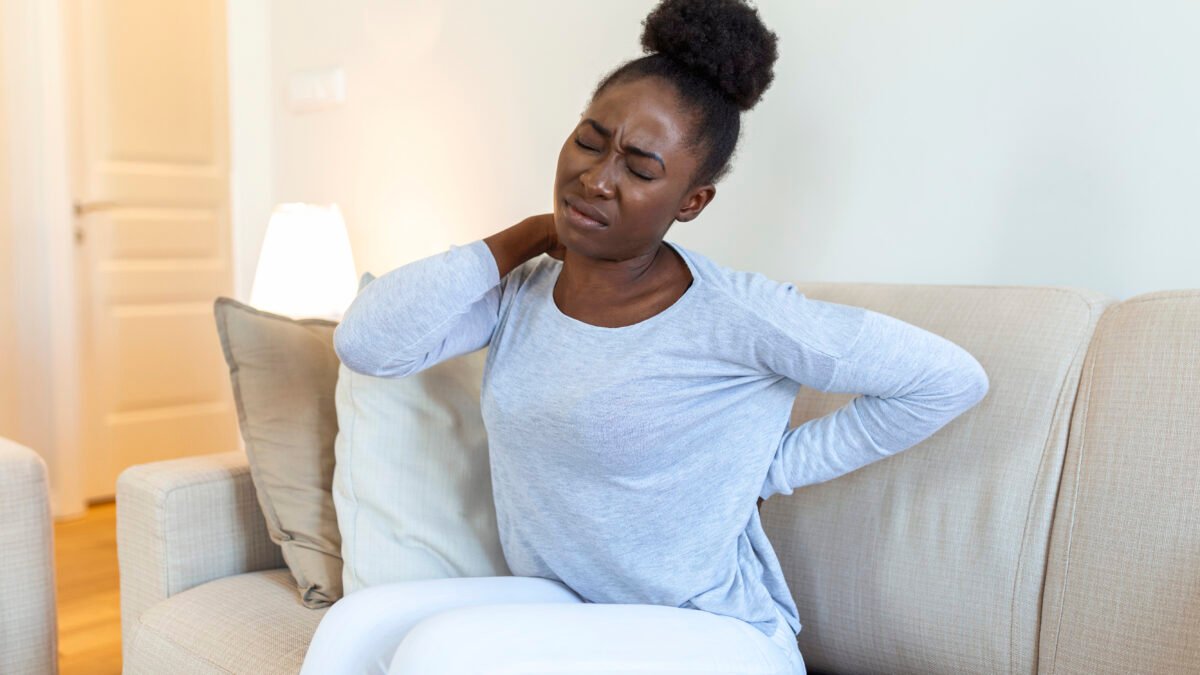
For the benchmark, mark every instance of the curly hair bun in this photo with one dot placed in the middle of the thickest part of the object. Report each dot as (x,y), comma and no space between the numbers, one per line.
(722,40)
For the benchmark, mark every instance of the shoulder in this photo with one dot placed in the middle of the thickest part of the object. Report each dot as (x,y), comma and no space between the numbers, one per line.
(526,272)
(778,309)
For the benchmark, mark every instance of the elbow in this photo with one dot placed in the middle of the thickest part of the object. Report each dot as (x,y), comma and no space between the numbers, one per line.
(976,381)
(352,352)
(355,353)
(960,385)
(347,350)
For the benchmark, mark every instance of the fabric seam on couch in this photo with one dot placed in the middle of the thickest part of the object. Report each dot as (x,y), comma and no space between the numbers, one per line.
(348,444)
(1083,419)
(1022,566)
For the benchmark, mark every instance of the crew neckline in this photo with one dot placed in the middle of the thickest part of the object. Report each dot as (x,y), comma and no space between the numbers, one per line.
(671,309)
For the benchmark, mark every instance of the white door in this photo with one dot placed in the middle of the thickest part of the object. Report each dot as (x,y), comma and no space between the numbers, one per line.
(151,161)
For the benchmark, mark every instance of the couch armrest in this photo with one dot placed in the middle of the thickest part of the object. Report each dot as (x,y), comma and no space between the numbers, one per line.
(28,615)
(28,611)
(184,522)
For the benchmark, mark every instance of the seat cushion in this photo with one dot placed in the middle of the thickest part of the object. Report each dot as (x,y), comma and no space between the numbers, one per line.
(932,560)
(248,623)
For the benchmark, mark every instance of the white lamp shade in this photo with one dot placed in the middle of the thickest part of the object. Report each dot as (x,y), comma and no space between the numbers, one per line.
(306,268)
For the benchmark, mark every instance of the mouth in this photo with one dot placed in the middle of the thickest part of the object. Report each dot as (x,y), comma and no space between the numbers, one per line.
(588,218)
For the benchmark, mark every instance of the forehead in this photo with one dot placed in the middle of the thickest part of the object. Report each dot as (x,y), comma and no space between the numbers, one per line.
(644,112)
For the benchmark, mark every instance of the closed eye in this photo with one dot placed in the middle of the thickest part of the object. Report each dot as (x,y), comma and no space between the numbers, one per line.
(591,149)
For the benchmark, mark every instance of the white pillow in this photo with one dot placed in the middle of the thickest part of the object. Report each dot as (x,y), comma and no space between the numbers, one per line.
(412,484)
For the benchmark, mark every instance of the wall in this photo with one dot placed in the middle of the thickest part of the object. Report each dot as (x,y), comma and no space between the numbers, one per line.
(41,382)
(8,338)
(919,141)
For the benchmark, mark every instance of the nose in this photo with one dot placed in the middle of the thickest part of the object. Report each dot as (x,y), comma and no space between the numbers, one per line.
(597,180)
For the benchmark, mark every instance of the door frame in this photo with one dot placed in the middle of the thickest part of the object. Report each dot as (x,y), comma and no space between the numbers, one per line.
(40,211)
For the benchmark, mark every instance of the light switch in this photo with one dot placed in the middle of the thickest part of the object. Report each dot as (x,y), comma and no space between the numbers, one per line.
(317,89)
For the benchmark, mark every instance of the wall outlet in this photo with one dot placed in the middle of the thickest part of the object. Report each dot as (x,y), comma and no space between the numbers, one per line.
(317,89)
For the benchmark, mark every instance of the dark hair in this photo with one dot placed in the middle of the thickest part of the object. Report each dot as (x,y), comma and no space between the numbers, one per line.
(719,56)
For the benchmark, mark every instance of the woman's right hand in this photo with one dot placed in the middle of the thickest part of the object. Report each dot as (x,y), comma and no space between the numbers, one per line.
(524,241)
(545,223)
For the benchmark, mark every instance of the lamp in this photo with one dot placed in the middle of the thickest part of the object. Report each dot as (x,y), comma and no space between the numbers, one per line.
(306,268)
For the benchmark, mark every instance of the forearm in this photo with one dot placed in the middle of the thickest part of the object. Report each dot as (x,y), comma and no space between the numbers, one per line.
(913,382)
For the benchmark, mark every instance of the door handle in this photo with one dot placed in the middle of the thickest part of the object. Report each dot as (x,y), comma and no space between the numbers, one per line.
(88,207)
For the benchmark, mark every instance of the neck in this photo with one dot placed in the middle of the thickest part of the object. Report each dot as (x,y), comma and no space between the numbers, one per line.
(610,280)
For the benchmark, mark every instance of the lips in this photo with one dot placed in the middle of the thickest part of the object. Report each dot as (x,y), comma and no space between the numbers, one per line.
(587,210)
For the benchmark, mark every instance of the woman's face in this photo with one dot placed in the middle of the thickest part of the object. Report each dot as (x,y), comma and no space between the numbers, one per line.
(628,160)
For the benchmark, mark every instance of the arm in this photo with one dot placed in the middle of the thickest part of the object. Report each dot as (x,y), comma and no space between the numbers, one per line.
(435,308)
(913,382)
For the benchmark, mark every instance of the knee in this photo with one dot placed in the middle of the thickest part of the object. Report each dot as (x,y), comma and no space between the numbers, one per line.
(437,644)
(350,630)
(349,613)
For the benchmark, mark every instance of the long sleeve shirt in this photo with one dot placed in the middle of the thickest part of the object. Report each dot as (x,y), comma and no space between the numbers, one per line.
(626,462)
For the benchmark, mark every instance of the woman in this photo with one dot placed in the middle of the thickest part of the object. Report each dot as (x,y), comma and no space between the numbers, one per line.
(636,397)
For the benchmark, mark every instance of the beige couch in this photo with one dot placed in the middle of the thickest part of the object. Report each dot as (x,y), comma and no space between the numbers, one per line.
(28,615)
(1053,528)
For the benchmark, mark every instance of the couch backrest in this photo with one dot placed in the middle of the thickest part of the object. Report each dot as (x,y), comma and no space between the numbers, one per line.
(933,560)
(1123,581)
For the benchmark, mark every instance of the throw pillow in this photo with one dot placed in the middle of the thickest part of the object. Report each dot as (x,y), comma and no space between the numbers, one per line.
(412,482)
(284,373)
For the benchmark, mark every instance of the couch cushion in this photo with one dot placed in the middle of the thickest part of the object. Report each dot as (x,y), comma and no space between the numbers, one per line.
(932,560)
(247,623)
(284,374)
(1123,584)
(412,484)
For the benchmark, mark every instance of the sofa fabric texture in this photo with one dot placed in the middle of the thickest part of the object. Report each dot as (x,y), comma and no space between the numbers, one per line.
(1055,528)
(942,545)
(266,632)
(412,481)
(28,615)
(283,373)
(182,523)
(1123,581)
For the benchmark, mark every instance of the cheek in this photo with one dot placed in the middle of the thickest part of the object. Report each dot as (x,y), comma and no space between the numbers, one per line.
(567,168)
(646,206)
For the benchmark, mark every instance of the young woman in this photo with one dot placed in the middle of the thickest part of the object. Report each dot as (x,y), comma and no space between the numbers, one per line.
(636,397)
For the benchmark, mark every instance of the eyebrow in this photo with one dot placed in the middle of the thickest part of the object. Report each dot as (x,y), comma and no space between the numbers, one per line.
(637,151)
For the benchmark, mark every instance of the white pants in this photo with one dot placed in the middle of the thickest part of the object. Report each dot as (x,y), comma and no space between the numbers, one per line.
(515,625)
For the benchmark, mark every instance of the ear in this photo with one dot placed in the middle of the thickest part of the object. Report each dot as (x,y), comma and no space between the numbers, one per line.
(695,202)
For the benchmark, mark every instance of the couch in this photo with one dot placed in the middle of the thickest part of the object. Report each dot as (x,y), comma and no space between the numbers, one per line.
(1054,528)
(28,613)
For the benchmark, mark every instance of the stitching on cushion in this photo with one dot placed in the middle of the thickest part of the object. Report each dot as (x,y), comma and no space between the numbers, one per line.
(348,429)
(1074,504)
(1021,565)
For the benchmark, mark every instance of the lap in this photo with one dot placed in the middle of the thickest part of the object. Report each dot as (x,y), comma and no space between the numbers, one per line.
(514,624)
(587,638)
(361,631)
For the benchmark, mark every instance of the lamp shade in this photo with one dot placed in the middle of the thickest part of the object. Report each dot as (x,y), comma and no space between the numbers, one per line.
(306,268)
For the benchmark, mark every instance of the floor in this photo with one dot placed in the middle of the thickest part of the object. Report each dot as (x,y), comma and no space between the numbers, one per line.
(89,607)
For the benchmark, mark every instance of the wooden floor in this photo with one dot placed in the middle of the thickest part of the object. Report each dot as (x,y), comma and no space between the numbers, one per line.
(89,608)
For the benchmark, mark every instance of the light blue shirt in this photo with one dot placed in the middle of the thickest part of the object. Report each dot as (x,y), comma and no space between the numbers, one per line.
(627,462)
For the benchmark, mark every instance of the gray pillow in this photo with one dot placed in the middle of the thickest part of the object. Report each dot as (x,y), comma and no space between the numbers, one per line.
(284,373)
